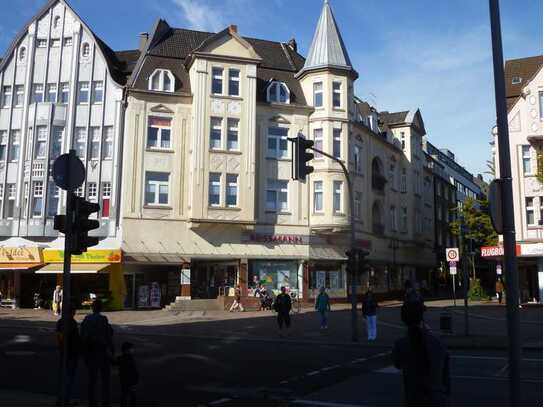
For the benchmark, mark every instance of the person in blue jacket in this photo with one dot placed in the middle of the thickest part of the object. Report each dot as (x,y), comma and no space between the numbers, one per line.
(322,305)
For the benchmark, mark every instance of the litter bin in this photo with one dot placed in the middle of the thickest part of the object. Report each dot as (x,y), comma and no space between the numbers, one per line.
(445,322)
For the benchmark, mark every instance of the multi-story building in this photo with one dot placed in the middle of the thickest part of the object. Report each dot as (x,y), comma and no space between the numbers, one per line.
(207,152)
(61,88)
(524,79)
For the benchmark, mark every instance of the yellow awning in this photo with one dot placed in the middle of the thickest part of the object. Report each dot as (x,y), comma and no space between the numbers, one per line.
(87,268)
(19,266)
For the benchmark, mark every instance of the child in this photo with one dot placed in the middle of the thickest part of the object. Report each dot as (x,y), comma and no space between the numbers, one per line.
(128,374)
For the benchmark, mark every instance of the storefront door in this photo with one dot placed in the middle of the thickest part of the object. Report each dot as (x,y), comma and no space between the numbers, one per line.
(208,278)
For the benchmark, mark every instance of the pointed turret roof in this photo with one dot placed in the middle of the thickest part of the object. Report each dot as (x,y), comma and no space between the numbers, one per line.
(327,48)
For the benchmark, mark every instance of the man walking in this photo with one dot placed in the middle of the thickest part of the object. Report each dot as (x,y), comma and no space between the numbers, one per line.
(69,348)
(282,306)
(499,289)
(97,341)
(322,305)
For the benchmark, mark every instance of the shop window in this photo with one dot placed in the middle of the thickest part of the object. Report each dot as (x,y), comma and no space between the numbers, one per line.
(277,142)
(332,280)
(274,275)
(157,188)
(106,197)
(107,145)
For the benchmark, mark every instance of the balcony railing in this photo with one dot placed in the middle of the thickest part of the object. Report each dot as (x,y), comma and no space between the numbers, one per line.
(379,229)
(378,182)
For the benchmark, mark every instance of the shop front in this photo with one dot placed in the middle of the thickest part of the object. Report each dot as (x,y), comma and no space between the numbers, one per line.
(274,274)
(17,265)
(209,279)
(96,274)
(328,274)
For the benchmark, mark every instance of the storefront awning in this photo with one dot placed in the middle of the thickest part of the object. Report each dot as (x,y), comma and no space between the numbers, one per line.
(88,268)
(19,266)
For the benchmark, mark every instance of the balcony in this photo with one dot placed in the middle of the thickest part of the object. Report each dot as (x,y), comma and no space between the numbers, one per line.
(378,182)
(378,229)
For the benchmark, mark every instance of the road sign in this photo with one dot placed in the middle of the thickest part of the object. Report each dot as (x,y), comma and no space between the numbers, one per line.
(452,264)
(452,270)
(452,254)
(68,171)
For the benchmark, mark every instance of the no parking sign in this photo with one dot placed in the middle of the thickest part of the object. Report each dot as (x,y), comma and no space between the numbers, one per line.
(452,254)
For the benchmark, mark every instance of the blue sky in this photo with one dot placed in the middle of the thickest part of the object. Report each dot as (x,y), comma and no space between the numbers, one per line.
(434,55)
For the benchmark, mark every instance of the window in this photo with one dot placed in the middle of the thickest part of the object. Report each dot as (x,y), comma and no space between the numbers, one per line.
(403,219)
(318,203)
(1,195)
(277,142)
(80,191)
(392,175)
(56,142)
(393,221)
(516,80)
(64,92)
(338,193)
(6,96)
(162,80)
(214,189)
(526,160)
(83,93)
(216,84)
(52,92)
(232,141)
(30,143)
(107,146)
(231,190)
(402,139)
(56,22)
(41,43)
(530,211)
(37,199)
(156,188)
(277,195)
(81,142)
(22,54)
(337,143)
(317,94)
(85,50)
(233,82)
(356,159)
(318,139)
(53,199)
(92,191)
(19,95)
(278,92)
(68,41)
(336,94)
(215,137)
(358,205)
(95,143)
(97,92)
(40,149)
(37,93)
(10,205)
(55,43)
(403,181)
(159,132)
(15,145)
(3,145)
(106,196)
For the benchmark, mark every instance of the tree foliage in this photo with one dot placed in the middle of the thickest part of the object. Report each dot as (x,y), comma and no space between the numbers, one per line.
(477,223)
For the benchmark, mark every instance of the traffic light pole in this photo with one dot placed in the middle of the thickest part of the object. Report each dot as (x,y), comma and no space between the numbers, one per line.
(509,244)
(354,304)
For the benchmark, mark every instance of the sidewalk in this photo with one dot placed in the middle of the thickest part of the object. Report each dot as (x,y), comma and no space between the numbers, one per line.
(16,398)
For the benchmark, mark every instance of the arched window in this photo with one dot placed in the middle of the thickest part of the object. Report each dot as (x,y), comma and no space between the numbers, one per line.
(278,92)
(377,218)
(22,54)
(56,22)
(162,80)
(85,50)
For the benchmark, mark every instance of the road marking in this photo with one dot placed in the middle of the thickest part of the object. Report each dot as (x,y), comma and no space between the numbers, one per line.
(313,373)
(502,370)
(330,368)
(324,403)
(220,401)
(493,358)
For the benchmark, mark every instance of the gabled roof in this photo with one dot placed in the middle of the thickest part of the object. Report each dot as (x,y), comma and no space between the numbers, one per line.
(393,118)
(525,69)
(327,48)
(231,32)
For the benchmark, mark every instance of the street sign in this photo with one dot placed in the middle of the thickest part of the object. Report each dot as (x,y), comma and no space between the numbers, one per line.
(452,264)
(452,254)
(452,270)
(68,172)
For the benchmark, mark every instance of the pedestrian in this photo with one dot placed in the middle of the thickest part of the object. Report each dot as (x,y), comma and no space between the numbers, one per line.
(128,375)
(97,343)
(423,360)
(283,305)
(369,310)
(322,305)
(57,300)
(411,294)
(236,305)
(69,349)
(499,289)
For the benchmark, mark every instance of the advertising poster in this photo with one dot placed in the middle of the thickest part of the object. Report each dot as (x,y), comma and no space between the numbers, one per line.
(155,295)
(143,296)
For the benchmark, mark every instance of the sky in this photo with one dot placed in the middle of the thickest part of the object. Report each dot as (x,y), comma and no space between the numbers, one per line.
(434,55)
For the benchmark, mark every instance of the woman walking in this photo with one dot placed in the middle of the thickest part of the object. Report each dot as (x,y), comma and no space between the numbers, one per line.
(423,360)
(369,310)
(322,305)
(57,300)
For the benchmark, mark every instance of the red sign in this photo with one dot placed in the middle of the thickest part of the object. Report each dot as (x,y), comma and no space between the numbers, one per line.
(293,239)
(496,251)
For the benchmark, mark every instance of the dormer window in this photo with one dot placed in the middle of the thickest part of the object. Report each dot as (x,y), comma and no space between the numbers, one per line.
(278,92)
(162,80)
(516,80)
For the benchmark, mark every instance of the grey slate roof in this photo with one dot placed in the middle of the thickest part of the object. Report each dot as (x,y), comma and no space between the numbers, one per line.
(524,68)
(327,48)
(393,118)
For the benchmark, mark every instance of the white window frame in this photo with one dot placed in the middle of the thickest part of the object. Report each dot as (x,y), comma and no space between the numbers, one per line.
(338,93)
(19,96)
(273,93)
(68,41)
(230,184)
(52,89)
(3,145)
(278,153)
(159,136)
(272,185)
(6,96)
(338,193)
(234,79)
(318,141)
(106,195)
(37,193)
(318,190)
(41,43)
(38,89)
(85,50)
(157,184)
(232,128)
(12,195)
(216,76)
(97,88)
(92,191)
(162,74)
(95,136)
(107,144)
(336,142)
(64,90)
(530,208)
(212,182)
(15,141)
(80,138)
(41,140)
(526,159)
(216,123)
(318,91)
(83,86)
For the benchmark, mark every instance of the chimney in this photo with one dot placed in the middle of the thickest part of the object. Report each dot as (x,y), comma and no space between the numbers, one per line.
(144,37)
(233,28)
(293,44)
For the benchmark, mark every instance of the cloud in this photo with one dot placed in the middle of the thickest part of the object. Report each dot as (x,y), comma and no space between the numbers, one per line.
(200,15)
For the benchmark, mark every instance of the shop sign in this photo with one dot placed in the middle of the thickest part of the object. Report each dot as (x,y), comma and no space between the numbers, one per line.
(289,239)
(532,249)
(19,255)
(492,251)
(91,256)
(520,250)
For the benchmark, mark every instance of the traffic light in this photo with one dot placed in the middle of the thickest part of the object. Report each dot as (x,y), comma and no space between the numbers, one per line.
(83,225)
(351,260)
(302,157)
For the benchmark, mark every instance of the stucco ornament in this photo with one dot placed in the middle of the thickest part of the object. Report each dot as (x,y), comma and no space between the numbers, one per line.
(217,107)
(234,108)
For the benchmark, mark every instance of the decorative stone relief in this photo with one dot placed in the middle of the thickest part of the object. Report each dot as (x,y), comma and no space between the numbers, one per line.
(217,107)
(534,126)
(218,214)
(532,100)
(514,124)
(233,164)
(532,186)
(234,108)
(533,113)
(217,162)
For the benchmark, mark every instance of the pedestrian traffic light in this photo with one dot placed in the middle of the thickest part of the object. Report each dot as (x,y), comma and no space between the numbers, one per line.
(83,225)
(351,260)
(301,158)
(59,223)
